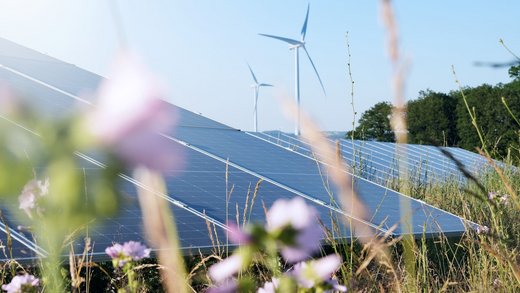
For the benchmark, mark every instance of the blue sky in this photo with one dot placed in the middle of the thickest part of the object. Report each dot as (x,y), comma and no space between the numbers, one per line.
(201,48)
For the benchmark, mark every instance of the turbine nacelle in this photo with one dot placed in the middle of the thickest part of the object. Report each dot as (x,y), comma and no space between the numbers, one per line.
(292,47)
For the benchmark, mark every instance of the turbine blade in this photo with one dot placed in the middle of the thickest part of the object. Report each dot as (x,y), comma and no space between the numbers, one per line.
(287,40)
(304,28)
(497,64)
(252,74)
(265,84)
(315,70)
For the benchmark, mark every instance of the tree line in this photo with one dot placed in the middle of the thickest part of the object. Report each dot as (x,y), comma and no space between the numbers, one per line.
(452,119)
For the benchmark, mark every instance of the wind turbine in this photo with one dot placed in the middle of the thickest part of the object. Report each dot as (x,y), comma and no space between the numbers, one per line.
(256,88)
(296,45)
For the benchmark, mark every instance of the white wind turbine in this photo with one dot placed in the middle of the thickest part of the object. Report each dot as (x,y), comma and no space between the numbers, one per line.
(256,87)
(296,45)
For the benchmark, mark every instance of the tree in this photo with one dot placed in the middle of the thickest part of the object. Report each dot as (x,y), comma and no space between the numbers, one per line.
(432,119)
(514,72)
(497,126)
(374,124)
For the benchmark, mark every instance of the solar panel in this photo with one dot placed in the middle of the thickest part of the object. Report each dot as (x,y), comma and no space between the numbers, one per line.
(374,164)
(14,243)
(201,191)
(195,185)
(303,175)
(425,164)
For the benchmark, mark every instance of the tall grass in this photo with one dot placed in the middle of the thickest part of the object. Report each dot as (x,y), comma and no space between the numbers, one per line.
(484,261)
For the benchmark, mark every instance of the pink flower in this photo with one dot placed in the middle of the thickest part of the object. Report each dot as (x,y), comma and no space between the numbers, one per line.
(129,251)
(21,284)
(136,250)
(32,192)
(8,103)
(309,274)
(297,215)
(269,287)
(227,268)
(129,114)
(237,235)
(230,286)
(115,250)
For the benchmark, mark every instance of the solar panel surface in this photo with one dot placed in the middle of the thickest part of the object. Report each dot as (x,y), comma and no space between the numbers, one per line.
(202,186)
(379,161)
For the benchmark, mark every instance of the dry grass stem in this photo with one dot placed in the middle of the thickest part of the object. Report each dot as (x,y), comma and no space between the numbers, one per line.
(160,228)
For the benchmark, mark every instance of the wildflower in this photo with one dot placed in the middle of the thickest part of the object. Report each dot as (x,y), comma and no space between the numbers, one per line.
(225,269)
(231,286)
(491,195)
(335,286)
(504,199)
(269,287)
(309,274)
(31,193)
(237,235)
(136,250)
(482,229)
(129,251)
(297,224)
(8,104)
(129,115)
(21,284)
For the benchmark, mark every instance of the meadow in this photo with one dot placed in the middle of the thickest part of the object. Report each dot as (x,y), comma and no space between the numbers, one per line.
(290,252)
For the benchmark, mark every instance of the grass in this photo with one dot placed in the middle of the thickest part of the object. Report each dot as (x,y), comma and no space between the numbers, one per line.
(473,262)
(476,263)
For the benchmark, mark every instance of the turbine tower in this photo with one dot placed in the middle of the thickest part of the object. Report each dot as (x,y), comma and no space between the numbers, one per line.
(256,88)
(296,45)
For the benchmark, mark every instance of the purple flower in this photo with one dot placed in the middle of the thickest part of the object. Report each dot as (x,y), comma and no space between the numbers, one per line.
(335,286)
(115,250)
(230,286)
(130,113)
(237,235)
(314,272)
(297,215)
(31,194)
(269,287)
(226,269)
(21,284)
(136,250)
(129,251)
(491,195)
(8,103)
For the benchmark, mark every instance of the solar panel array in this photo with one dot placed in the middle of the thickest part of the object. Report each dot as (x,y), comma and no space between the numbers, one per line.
(380,161)
(224,165)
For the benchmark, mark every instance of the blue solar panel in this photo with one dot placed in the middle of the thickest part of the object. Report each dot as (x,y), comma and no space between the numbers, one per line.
(22,67)
(197,193)
(379,161)
(15,243)
(303,175)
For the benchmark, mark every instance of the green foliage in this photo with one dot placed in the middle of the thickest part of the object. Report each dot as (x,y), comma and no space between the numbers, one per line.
(497,125)
(374,124)
(432,119)
(514,72)
(444,119)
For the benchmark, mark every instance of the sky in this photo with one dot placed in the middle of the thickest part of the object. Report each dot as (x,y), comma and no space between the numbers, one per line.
(201,48)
